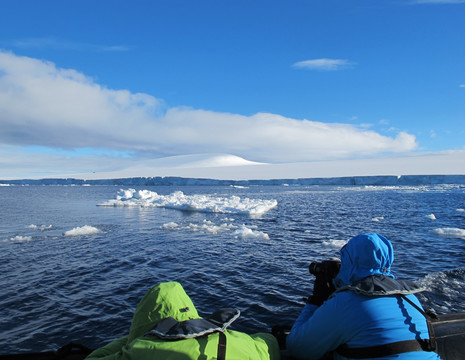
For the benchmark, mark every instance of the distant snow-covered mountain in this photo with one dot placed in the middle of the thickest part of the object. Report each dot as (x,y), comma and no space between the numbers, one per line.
(449,168)
(197,160)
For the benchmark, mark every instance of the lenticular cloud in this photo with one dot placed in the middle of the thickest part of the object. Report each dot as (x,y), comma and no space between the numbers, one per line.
(83,113)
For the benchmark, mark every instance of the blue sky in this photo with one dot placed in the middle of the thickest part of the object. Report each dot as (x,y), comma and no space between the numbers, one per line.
(86,83)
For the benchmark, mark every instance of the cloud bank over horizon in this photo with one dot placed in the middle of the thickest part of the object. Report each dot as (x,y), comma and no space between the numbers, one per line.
(42,105)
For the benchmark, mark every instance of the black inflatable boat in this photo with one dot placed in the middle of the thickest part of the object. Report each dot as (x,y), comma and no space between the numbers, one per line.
(448,328)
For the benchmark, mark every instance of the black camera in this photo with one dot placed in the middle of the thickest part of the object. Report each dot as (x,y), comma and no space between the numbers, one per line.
(323,287)
(327,269)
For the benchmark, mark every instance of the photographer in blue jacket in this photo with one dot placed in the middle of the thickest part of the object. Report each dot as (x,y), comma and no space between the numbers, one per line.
(368,315)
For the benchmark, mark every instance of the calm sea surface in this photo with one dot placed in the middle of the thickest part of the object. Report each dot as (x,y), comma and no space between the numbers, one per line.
(73,271)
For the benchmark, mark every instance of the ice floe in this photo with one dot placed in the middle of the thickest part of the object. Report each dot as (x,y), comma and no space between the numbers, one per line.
(40,227)
(337,244)
(208,227)
(450,232)
(20,238)
(244,232)
(201,203)
(82,231)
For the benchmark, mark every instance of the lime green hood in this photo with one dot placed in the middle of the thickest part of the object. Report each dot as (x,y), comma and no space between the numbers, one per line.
(164,300)
(170,300)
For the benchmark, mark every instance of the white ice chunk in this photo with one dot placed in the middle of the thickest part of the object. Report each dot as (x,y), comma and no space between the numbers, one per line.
(81,231)
(450,232)
(19,238)
(246,233)
(201,203)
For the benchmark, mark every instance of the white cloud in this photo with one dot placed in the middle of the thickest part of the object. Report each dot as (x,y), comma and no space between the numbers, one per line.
(57,44)
(42,105)
(323,64)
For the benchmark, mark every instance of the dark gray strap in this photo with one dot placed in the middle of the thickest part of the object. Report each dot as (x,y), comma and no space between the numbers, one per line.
(382,350)
(431,342)
(221,346)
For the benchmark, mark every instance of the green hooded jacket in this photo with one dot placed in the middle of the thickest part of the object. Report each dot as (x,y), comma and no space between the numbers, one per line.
(169,300)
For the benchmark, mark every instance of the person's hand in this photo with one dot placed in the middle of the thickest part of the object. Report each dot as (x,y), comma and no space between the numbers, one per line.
(323,286)
(322,289)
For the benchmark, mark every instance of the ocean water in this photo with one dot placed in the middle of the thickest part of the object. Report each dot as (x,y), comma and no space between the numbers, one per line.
(76,260)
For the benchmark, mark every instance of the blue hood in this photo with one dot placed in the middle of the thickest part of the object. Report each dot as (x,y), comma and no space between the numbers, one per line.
(362,256)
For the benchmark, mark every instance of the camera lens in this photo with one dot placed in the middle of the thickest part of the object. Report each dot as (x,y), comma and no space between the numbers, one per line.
(314,268)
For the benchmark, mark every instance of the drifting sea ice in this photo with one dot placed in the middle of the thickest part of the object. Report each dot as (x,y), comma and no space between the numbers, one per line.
(248,234)
(20,238)
(201,203)
(40,227)
(209,227)
(206,226)
(450,232)
(336,244)
(80,231)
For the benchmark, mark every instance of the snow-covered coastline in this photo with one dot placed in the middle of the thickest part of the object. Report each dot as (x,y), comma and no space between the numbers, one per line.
(181,181)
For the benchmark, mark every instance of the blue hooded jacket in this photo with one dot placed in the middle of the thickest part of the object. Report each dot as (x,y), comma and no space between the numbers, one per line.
(362,256)
(355,320)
